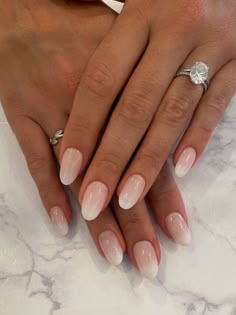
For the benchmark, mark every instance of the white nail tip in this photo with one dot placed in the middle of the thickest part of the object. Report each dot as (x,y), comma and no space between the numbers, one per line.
(89,213)
(111,247)
(146,259)
(93,200)
(131,191)
(59,221)
(70,166)
(178,228)
(185,162)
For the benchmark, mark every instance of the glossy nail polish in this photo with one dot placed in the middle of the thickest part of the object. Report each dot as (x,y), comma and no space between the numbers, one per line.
(185,162)
(131,191)
(111,247)
(178,228)
(146,259)
(93,201)
(59,220)
(70,166)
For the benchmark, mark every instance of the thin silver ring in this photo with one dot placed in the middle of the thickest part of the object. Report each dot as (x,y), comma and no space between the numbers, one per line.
(58,135)
(198,74)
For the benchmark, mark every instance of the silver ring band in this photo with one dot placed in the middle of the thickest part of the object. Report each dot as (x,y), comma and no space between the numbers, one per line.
(58,135)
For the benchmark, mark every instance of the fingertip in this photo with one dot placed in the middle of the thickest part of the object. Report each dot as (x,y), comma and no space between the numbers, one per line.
(59,220)
(178,228)
(111,247)
(185,162)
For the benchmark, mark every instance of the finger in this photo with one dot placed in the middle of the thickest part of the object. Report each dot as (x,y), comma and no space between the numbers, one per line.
(208,114)
(128,124)
(42,166)
(168,207)
(172,117)
(105,232)
(141,240)
(100,84)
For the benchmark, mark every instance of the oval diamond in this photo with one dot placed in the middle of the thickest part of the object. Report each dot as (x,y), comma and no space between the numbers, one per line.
(199,73)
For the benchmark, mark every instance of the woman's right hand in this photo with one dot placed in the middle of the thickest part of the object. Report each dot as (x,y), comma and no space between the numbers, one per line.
(44,48)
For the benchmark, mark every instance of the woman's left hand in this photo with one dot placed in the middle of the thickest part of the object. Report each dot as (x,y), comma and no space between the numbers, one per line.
(146,46)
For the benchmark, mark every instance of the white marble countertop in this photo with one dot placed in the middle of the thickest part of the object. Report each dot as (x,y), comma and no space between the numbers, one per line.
(43,274)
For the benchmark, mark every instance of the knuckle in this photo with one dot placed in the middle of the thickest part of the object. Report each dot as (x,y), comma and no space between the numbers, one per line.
(205,129)
(37,165)
(67,73)
(175,109)
(197,12)
(135,109)
(151,158)
(131,223)
(216,106)
(111,163)
(99,79)
(140,11)
(82,126)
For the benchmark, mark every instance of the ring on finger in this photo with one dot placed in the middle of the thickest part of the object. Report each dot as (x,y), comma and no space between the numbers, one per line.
(198,73)
(58,135)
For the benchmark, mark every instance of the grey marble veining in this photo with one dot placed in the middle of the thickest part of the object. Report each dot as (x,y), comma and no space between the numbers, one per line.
(41,273)
(44,274)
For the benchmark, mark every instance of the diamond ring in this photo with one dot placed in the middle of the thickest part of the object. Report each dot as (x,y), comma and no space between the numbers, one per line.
(58,135)
(198,73)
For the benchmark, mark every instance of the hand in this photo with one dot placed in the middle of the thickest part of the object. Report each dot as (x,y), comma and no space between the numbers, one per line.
(115,230)
(147,44)
(48,62)
(44,47)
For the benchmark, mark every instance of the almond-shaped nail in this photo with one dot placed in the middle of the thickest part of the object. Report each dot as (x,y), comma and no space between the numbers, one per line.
(131,191)
(70,166)
(59,220)
(111,247)
(93,201)
(178,228)
(185,162)
(146,259)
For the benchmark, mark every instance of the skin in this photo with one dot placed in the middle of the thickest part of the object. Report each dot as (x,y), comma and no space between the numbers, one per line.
(153,109)
(44,48)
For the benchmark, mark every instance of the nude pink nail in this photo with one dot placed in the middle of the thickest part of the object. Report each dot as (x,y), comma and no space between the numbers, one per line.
(93,201)
(111,247)
(178,228)
(146,259)
(70,166)
(59,220)
(131,191)
(185,162)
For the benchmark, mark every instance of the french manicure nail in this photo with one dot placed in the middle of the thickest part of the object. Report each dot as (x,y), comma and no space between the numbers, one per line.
(59,220)
(146,259)
(93,201)
(185,162)
(70,166)
(111,247)
(178,228)
(131,191)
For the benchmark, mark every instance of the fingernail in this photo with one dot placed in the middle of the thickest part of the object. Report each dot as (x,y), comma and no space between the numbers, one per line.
(131,192)
(59,220)
(70,166)
(146,259)
(185,162)
(111,247)
(178,228)
(93,201)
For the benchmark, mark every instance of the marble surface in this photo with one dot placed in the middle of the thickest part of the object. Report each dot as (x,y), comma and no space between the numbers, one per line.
(44,274)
